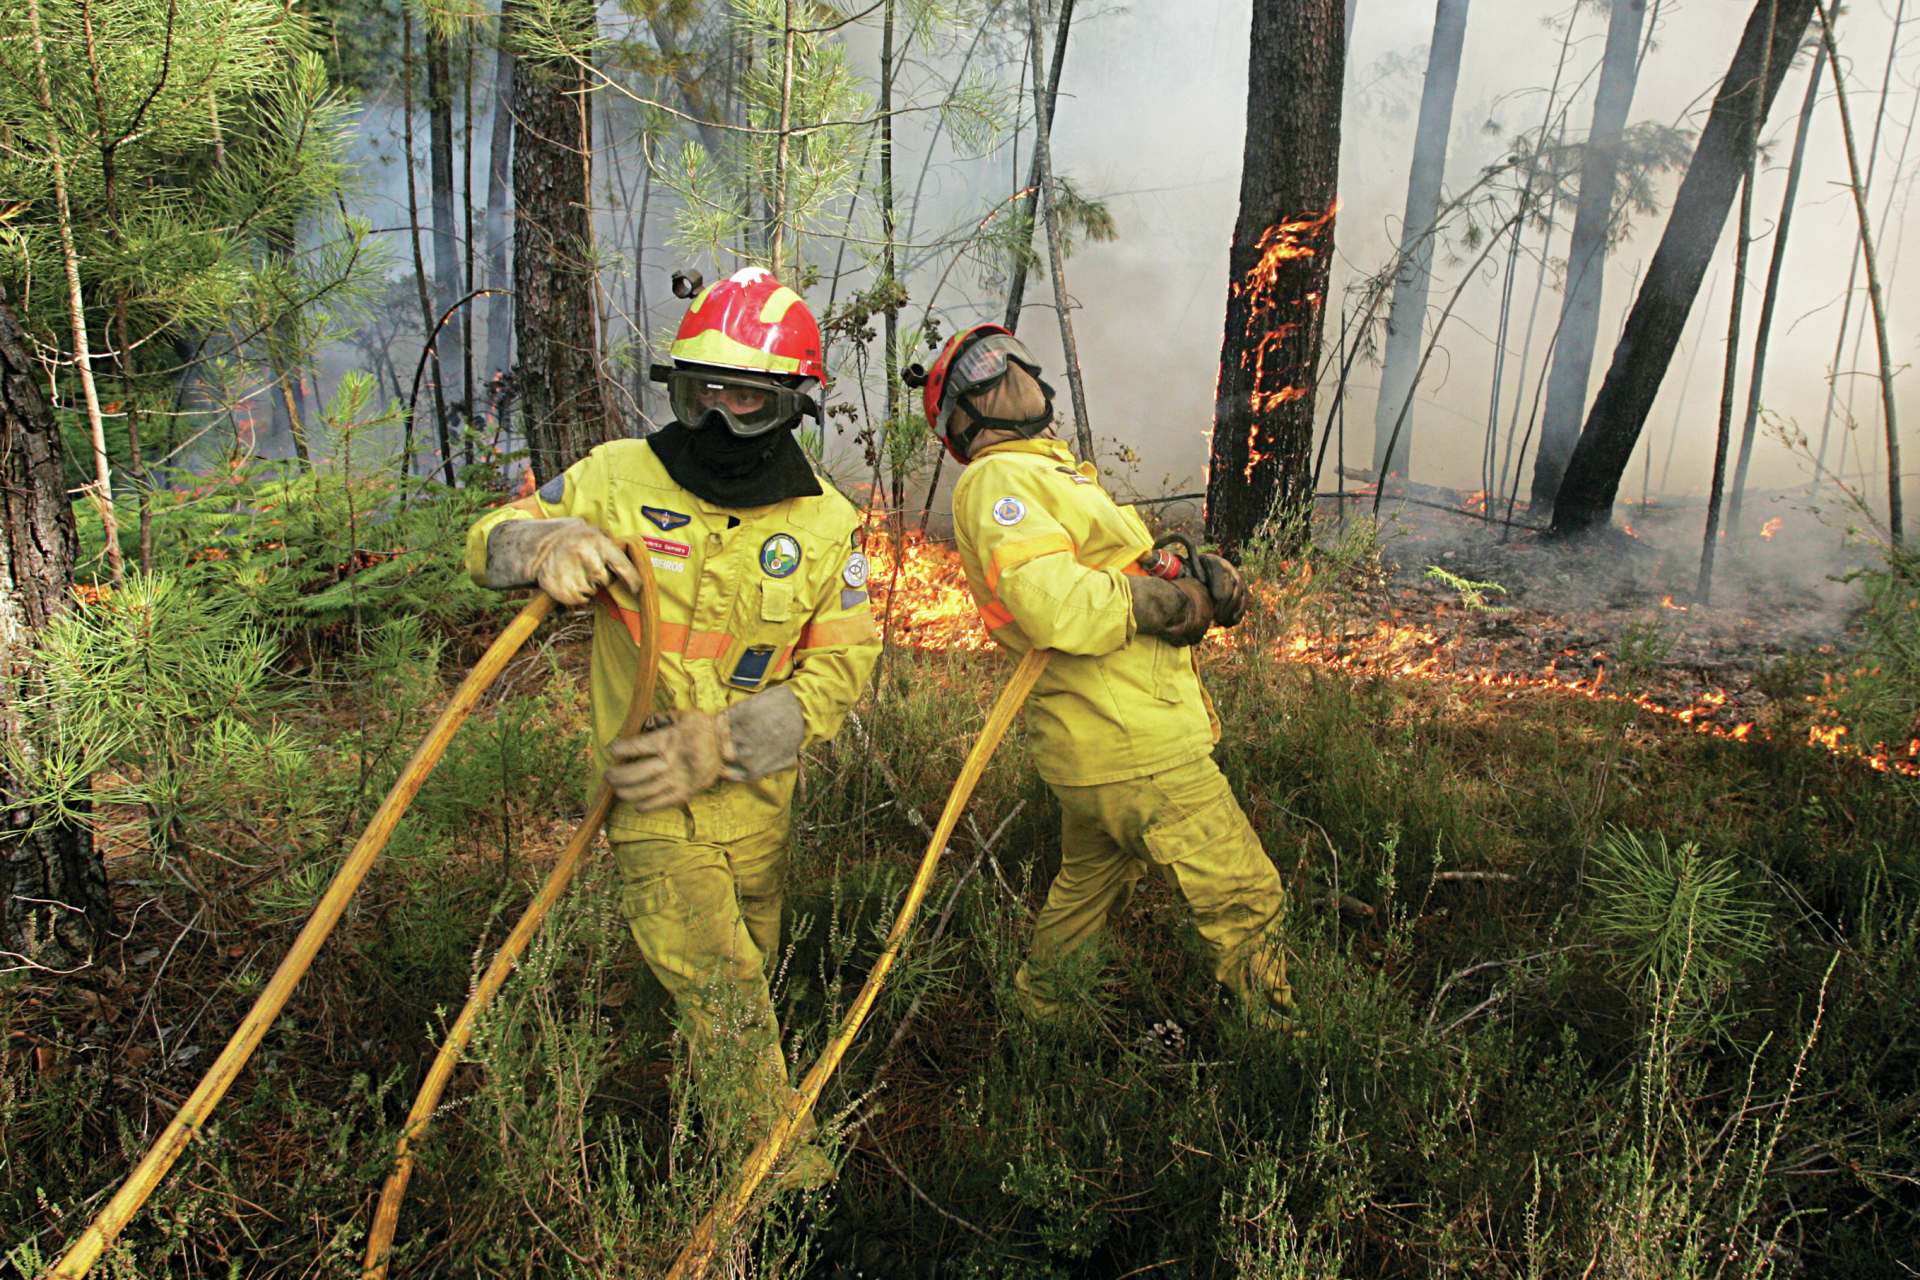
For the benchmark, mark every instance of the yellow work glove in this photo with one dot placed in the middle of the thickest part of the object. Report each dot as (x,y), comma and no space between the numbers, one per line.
(666,767)
(1224,588)
(1178,612)
(567,558)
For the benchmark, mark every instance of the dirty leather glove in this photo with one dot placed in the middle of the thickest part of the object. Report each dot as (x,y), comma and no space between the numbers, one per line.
(669,765)
(1178,612)
(567,558)
(1224,588)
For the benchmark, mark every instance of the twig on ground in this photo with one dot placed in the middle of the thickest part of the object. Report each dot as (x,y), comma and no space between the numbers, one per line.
(922,1196)
(1433,1007)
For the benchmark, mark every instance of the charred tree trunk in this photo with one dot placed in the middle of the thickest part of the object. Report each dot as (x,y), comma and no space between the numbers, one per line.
(499,183)
(447,267)
(1587,255)
(1673,278)
(1407,315)
(55,908)
(563,404)
(1260,462)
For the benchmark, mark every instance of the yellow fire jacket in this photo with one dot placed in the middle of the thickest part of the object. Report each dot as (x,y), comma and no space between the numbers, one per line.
(1046,552)
(750,598)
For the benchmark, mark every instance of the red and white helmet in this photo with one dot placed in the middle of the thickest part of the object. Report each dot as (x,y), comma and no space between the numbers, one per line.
(974,360)
(743,335)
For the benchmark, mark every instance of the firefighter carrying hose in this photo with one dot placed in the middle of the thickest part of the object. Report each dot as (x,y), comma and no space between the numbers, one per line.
(1119,724)
(766,642)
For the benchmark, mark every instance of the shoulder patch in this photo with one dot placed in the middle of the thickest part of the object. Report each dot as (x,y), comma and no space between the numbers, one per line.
(1009,511)
(554,490)
(665,520)
(855,574)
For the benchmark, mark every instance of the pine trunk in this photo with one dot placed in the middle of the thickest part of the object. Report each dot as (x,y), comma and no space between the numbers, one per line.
(55,908)
(1407,315)
(1587,255)
(563,403)
(1653,328)
(499,185)
(447,266)
(1260,463)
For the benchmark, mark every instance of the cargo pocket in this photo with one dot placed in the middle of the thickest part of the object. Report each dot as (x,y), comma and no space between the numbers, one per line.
(1170,666)
(1220,868)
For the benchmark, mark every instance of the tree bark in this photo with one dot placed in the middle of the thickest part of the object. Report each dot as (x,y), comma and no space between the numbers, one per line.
(1406,316)
(1587,254)
(1056,254)
(1017,280)
(55,908)
(499,180)
(447,267)
(1765,329)
(1699,214)
(1260,463)
(563,402)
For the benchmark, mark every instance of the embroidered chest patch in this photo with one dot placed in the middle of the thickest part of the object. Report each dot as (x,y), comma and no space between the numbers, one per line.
(780,555)
(664,519)
(669,548)
(1009,511)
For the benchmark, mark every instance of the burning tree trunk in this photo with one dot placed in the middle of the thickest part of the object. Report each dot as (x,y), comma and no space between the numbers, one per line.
(1282,247)
(1406,317)
(563,404)
(1587,256)
(1699,213)
(54,903)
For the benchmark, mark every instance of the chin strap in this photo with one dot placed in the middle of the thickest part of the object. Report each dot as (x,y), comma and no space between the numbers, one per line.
(1025,428)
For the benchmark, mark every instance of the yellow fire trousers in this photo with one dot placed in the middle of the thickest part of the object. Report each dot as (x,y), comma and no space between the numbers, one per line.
(1185,825)
(707,918)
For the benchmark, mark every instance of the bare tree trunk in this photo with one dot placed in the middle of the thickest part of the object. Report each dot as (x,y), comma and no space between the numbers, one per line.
(1056,253)
(1260,463)
(1017,278)
(499,185)
(446,235)
(427,315)
(1765,329)
(1406,316)
(1699,214)
(1587,254)
(888,266)
(564,405)
(1896,505)
(55,907)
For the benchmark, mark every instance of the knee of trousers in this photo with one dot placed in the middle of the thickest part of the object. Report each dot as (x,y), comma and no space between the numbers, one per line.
(1215,859)
(681,903)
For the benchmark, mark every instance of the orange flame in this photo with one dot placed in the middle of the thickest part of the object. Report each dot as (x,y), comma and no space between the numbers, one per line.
(1666,602)
(1771,527)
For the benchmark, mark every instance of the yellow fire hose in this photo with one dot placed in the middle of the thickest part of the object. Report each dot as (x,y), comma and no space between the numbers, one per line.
(386,1218)
(694,1259)
(185,1125)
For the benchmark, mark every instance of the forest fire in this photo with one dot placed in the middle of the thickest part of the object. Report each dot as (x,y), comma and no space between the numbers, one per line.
(921,601)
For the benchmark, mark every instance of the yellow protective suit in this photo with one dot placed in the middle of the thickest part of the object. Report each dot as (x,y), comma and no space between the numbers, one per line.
(1119,724)
(749,598)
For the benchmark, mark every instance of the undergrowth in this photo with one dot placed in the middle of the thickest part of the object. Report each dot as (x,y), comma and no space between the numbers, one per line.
(1582,996)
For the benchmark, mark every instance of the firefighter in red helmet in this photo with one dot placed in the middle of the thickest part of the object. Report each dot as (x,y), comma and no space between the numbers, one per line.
(767,641)
(1119,725)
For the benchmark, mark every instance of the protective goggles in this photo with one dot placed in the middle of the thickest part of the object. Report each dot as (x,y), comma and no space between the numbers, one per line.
(750,405)
(979,366)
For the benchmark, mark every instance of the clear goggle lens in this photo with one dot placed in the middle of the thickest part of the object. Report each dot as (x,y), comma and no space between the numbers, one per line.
(749,406)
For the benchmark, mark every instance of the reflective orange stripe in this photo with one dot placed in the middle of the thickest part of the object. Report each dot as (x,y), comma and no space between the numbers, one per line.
(1007,555)
(855,628)
(675,637)
(995,615)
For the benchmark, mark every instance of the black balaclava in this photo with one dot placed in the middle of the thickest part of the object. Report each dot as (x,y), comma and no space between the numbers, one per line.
(711,462)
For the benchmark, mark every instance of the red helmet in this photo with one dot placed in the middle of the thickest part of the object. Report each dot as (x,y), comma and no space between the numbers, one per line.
(746,333)
(973,360)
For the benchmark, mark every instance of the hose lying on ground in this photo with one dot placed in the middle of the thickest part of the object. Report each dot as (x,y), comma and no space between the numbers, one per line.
(694,1259)
(386,1218)
(185,1125)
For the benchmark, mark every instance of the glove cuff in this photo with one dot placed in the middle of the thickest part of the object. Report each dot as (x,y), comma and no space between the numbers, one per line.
(516,548)
(761,735)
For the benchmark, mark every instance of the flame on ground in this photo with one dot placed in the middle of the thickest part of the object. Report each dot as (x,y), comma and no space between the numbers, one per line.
(921,600)
(1771,527)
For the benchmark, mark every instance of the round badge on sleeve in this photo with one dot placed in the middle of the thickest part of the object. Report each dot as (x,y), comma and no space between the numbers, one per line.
(1009,511)
(780,555)
(855,574)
